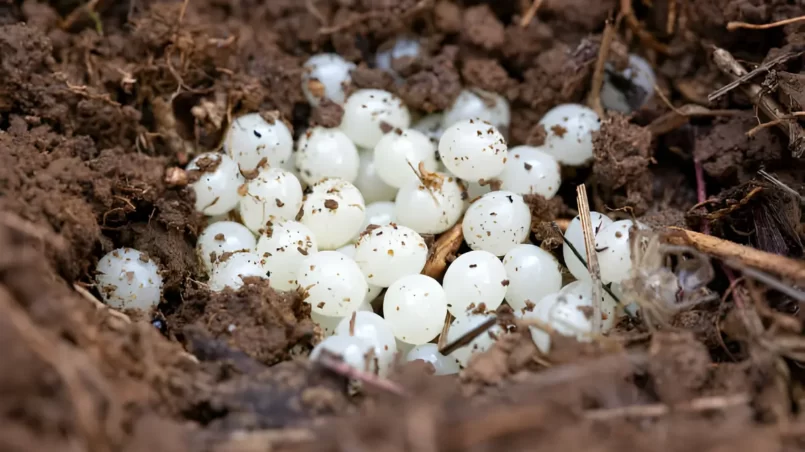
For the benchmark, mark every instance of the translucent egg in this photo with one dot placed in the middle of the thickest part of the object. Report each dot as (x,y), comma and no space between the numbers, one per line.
(570,130)
(473,150)
(334,210)
(478,104)
(326,153)
(379,213)
(251,138)
(374,330)
(529,170)
(283,246)
(274,195)
(333,283)
(614,250)
(583,291)
(372,291)
(415,306)
(567,314)
(328,324)
(223,237)
(216,189)
(369,182)
(628,90)
(430,209)
(404,347)
(354,351)
(442,365)
(464,324)
(401,47)
(533,273)
(575,236)
(497,222)
(476,190)
(388,253)
(370,113)
(128,279)
(347,250)
(326,75)
(431,126)
(229,272)
(476,280)
(398,154)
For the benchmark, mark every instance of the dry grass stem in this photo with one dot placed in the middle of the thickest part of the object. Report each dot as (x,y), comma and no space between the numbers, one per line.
(592,257)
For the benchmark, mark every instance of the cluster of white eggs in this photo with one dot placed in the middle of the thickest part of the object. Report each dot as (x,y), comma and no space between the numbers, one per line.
(342,219)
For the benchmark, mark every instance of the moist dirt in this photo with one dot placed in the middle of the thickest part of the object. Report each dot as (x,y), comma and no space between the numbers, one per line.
(99,99)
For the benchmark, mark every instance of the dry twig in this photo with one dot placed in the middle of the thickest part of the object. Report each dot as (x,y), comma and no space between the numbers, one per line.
(530,13)
(592,256)
(445,246)
(468,337)
(334,364)
(660,409)
(731,26)
(750,257)
(751,74)
(594,98)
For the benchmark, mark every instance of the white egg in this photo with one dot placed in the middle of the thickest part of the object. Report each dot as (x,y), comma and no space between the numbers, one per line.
(283,245)
(399,153)
(567,314)
(533,273)
(347,250)
(218,181)
(274,195)
(569,129)
(415,306)
(431,126)
(326,75)
(370,113)
(497,222)
(328,323)
(464,324)
(575,237)
(638,90)
(478,104)
(251,139)
(476,190)
(323,153)
(376,331)
(442,365)
(614,251)
(372,291)
(354,351)
(476,280)
(379,213)
(388,253)
(432,208)
(583,291)
(401,47)
(404,347)
(229,272)
(128,279)
(223,237)
(529,170)
(369,182)
(333,283)
(473,149)
(334,210)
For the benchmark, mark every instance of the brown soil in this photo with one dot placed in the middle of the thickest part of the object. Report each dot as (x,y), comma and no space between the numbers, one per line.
(99,99)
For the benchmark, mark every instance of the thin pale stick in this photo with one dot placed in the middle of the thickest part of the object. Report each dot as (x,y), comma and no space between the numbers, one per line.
(592,257)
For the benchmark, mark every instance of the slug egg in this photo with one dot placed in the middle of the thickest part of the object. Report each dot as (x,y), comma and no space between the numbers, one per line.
(230,271)
(370,113)
(583,291)
(128,279)
(575,237)
(570,130)
(566,313)
(333,283)
(216,189)
(327,75)
(223,237)
(628,90)
(334,210)
(251,139)
(415,307)
(354,351)
(442,365)
(431,126)
(529,170)
(326,153)
(274,195)
(379,213)
(375,331)
(464,324)
(473,149)
(398,155)
(478,104)
(614,250)
(497,222)
(283,246)
(401,47)
(476,280)
(328,324)
(533,273)
(432,208)
(369,182)
(388,253)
